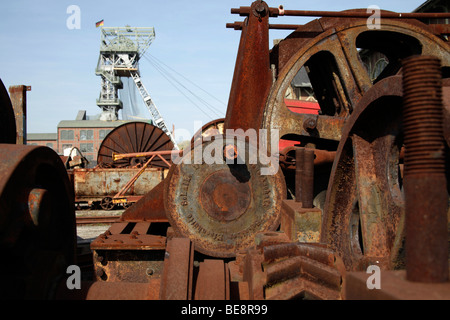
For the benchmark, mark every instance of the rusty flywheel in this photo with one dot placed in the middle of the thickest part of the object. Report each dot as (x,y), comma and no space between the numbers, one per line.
(8,124)
(221,206)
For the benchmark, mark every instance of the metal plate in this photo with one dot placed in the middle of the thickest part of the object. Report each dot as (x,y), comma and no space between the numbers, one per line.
(221,206)
(37,221)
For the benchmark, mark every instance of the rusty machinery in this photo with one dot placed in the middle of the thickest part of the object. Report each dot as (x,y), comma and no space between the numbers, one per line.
(38,235)
(354,186)
(123,175)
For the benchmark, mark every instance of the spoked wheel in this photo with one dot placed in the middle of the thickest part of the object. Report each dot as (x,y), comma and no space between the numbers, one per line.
(210,129)
(364,210)
(134,137)
(332,64)
(107,203)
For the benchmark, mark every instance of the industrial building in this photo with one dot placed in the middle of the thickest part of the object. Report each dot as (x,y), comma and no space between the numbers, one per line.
(82,133)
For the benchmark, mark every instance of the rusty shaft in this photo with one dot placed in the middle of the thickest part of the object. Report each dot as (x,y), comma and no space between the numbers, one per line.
(120,156)
(299,157)
(280,11)
(425,185)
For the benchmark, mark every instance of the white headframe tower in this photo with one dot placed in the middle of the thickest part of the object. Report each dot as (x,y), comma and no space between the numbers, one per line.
(120,51)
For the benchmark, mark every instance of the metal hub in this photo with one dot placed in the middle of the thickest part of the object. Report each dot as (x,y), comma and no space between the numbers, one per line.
(223,197)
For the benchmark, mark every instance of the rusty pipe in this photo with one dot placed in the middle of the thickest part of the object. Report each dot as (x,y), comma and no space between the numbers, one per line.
(425,186)
(308,179)
(321,157)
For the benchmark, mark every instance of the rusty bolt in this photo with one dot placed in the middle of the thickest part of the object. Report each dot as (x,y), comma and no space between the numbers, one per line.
(425,186)
(230,152)
(309,124)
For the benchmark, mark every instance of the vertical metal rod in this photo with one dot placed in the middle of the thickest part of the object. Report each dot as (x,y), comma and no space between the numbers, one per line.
(299,152)
(425,187)
(308,179)
(18,96)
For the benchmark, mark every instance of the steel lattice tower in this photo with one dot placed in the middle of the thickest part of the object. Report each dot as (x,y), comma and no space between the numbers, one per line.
(120,51)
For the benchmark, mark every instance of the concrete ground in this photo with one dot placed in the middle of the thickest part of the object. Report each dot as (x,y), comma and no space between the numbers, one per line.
(91,231)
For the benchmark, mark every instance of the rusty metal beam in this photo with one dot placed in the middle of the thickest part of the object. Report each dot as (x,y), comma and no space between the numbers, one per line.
(280,11)
(18,96)
(149,208)
(252,77)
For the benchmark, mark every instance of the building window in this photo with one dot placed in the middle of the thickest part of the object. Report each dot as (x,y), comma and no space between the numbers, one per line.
(86,147)
(67,135)
(103,133)
(66,146)
(86,134)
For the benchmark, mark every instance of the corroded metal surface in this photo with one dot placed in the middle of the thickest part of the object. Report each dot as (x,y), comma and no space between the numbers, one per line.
(221,206)
(8,122)
(128,252)
(134,137)
(176,280)
(210,129)
(425,184)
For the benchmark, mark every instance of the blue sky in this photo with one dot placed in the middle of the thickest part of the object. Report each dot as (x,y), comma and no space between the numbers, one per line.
(59,64)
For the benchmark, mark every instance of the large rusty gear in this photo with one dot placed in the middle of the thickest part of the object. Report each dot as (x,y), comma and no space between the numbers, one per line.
(222,205)
(366,176)
(364,223)
(134,137)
